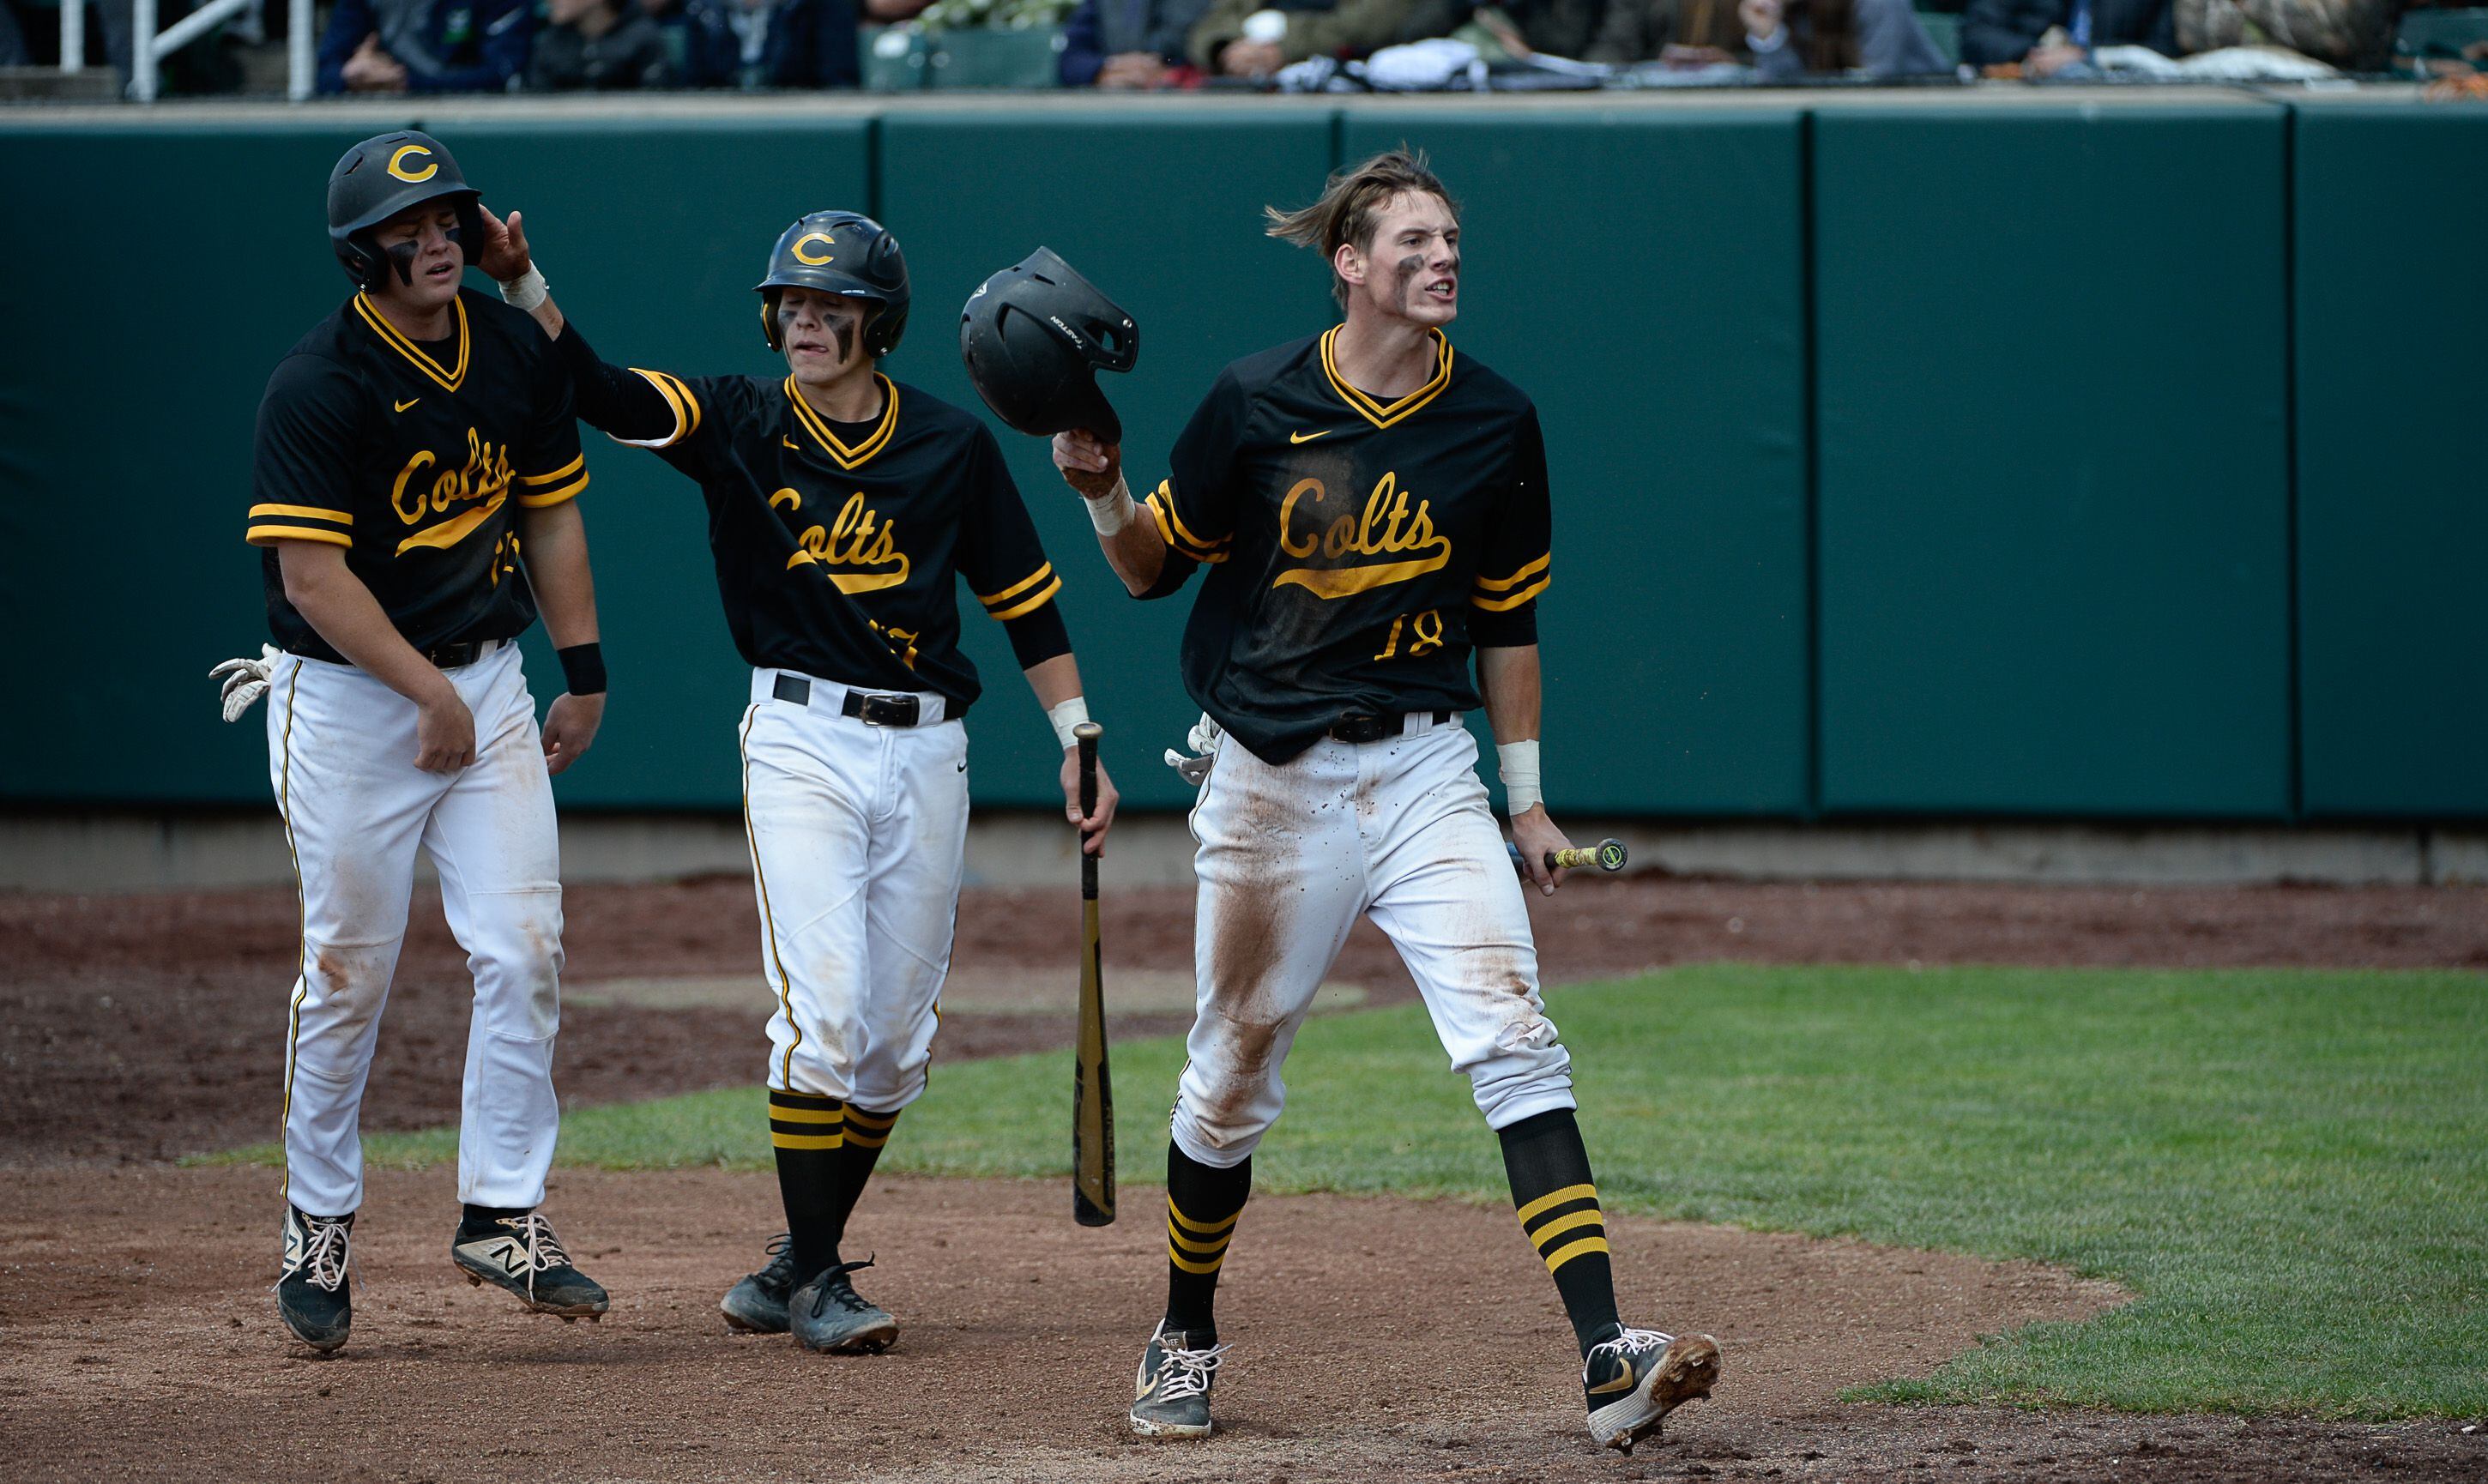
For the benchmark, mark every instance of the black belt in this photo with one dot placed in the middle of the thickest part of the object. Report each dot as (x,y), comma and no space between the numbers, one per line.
(1366,727)
(871,708)
(443,656)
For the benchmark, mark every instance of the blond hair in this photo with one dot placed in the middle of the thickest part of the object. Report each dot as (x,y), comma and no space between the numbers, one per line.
(1351,204)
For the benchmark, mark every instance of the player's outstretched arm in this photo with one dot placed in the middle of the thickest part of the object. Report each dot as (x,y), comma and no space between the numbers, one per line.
(610,399)
(1057,683)
(1507,677)
(1130,540)
(343,611)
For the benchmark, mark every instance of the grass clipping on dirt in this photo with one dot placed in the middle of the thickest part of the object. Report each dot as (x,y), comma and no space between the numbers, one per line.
(2290,1167)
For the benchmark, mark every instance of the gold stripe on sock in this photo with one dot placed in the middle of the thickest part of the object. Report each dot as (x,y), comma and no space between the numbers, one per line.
(1593,1217)
(1554,1199)
(878,1123)
(788,1113)
(1189,1266)
(861,1140)
(1205,1228)
(806,1140)
(1207,1249)
(1582,1248)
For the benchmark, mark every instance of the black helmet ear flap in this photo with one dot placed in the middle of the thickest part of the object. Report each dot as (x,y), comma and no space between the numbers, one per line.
(1034,337)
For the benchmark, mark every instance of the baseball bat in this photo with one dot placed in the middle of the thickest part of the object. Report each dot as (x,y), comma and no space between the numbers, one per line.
(1606,855)
(1093,1091)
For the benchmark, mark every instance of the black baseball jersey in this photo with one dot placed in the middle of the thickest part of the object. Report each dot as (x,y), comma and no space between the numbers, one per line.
(1357,549)
(414,458)
(837,545)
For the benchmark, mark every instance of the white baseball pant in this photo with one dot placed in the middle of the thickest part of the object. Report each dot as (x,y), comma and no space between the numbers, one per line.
(1289,856)
(859,837)
(341,750)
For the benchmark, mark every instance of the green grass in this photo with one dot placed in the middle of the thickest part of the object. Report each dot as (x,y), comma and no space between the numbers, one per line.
(2289,1168)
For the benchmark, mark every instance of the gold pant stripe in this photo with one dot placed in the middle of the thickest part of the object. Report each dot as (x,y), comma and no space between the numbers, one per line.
(785,1114)
(806,1140)
(1175,1235)
(1593,1217)
(1564,1254)
(768,920)
(1205,1228)
(1189,1266)
(1554,1199)
(302,939)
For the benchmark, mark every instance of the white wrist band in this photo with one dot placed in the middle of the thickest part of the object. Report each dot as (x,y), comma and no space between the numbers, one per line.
(527,290)
(1113,510)
(1063,717)
(1518,762)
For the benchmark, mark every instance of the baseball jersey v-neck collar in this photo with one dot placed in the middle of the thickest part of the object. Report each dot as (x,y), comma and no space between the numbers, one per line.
(450,378)
(1382,414)
(849,455)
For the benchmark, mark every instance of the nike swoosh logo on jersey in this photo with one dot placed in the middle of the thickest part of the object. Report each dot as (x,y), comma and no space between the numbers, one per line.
(790,443)
(1306,438)
(408,403)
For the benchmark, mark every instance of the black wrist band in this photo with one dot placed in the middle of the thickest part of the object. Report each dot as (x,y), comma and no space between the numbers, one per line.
(582,668)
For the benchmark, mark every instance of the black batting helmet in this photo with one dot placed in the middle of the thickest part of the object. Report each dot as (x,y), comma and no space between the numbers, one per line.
(1034,336)
(381,177)
(845,253)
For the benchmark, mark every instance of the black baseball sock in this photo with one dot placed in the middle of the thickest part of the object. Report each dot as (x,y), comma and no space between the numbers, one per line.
(1560,1214)
(866,1133)
(808,1132)
(1203,1204)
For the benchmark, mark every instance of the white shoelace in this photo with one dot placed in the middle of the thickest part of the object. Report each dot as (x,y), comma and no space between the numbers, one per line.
(1630,1343)
(542,1247)
(1183,1373)
(325,1256)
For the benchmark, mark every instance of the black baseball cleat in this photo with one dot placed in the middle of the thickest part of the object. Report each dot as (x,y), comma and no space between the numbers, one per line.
(757,1305)
(1635,1379)
(314,1291)
(1171,1395)
(828,1314)
(519,1255)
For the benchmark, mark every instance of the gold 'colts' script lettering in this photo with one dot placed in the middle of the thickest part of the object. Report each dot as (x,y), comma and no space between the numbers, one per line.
(1386,527)
(858,539)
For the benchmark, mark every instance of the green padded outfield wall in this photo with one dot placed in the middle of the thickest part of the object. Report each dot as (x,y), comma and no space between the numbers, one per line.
(2043,355)
(1661,335)
(2392,470)
(2053,534)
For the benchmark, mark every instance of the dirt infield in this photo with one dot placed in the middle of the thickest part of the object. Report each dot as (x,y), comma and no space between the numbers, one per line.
(1381,1339)
(146,1027)
(1376,1340)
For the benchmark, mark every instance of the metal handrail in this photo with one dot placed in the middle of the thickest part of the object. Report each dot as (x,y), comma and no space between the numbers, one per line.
(148,49)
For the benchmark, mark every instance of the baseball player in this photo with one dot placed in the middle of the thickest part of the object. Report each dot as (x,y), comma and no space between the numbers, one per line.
(414,500)
(843,508)
(1370,508)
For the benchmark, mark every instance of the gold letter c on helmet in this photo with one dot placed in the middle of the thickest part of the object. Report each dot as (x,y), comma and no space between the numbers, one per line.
(807,240)
(397,164)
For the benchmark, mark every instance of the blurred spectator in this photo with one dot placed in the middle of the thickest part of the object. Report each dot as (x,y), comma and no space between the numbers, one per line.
(1126,43)
(594,44)
(2355,35)
(1554,28)
(425,46)
(769,44)
(1781,38)
(890,13)
(13,41)
(1882,38)
(1250,38)
(2047,35)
